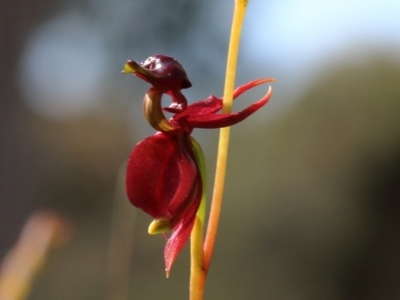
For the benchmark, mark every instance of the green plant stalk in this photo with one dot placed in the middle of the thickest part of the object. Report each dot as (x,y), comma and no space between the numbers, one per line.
(197,271)
(215,211)
(201,253)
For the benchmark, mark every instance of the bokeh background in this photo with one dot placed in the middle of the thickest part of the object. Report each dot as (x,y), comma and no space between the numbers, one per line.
(311,207)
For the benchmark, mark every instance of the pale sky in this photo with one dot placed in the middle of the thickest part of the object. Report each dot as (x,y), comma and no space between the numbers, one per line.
(63,67)
(306,31)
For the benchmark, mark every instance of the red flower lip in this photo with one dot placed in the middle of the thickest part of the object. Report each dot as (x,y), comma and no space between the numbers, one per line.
(161,176)
(164,181)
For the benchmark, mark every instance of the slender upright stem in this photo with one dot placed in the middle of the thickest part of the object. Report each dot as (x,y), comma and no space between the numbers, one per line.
(238,17)
(197,271)
(200,258)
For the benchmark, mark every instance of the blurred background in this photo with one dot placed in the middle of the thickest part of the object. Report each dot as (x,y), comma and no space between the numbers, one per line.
(311,207)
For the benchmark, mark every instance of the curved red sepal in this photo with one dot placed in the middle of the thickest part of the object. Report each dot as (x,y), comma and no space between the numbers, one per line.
(224,120)
(202,114)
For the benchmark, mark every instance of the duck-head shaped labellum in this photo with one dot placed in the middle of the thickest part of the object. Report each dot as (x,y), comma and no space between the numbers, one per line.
(165,74)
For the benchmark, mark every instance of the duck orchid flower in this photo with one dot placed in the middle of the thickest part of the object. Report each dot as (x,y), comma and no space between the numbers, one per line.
(164,176)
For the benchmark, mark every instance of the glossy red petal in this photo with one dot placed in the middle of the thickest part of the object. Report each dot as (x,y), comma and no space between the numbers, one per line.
(160,176)
(201,114)
(182,230)
(224,120)
(213,104)
(208,106)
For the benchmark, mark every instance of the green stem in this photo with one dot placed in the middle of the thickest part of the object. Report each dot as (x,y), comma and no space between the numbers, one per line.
(201,258)
(237,23)
(201,254)
(197,271)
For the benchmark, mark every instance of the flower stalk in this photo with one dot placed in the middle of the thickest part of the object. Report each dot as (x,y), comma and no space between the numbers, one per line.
(198,275)
(197,269)
(223,144)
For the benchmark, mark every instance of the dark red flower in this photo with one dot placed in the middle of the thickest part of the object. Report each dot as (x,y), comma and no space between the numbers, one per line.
(165,74)
(163,176)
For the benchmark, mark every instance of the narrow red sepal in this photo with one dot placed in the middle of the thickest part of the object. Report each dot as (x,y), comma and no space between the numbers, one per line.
(181,232)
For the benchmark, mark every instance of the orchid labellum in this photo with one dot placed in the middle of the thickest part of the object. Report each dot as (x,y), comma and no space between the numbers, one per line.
(163,174)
